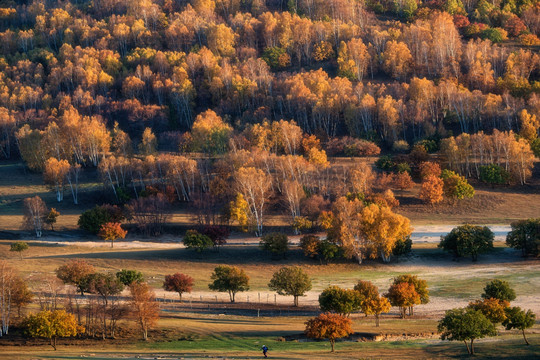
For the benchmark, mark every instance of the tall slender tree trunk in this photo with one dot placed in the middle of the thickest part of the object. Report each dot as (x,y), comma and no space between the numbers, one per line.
(524,337)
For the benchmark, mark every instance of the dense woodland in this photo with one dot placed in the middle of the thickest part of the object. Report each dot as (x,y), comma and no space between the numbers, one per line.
(234,109)
(238,106)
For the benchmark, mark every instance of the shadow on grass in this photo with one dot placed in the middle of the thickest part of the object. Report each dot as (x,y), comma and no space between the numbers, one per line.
(231,254)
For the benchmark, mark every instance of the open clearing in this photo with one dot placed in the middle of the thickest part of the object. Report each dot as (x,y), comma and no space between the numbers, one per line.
(206,325)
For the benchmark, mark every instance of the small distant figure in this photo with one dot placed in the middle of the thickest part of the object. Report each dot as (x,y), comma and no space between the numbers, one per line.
(265,350)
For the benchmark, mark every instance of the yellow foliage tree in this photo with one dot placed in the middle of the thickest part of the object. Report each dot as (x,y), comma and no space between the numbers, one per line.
(210,133)
(52,325)
(382,228)
(239,211)
(148,145)
(55,175)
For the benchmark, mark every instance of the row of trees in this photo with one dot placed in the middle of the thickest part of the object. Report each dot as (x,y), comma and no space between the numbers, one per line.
(478,320)
(472,240)
(481,317)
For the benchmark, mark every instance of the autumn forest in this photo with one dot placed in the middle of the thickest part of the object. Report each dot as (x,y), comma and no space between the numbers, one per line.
(379,142)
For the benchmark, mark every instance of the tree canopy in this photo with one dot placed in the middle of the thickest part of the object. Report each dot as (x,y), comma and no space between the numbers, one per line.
(468,240)
(230,279)
(465,325)
(290,281)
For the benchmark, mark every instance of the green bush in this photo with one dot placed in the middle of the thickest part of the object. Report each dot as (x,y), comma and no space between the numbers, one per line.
(468,240)
(402,247)
(496,35)
(197,241)
(494,174)
(92,220)
(276,57)
(385,163)
(276,243)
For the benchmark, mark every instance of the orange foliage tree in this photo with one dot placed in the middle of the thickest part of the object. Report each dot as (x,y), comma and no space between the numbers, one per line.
(403,295)
(432,190)
(112,231)
(145,308)
(329,326)
(179,283)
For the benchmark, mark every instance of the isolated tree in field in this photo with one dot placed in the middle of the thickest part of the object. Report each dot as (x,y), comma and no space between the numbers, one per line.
(499,289)
(128,277)
(75,273)
(34,214)
(367,290)
(431,190)
(112,231)
(516,318)
(51,217)
(52,325)
(179,283)
(20,294)
(329,326)
(145,308)
(275,243)
(525,236)
(217,233)
(402,180)
(292,281)
(254,185)
(148,144)
(20,247)
(340,301)
(195,240)
(55,174)
(402,247)
(465,325)
(230,279)
(468,240)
